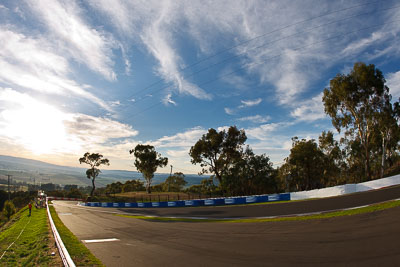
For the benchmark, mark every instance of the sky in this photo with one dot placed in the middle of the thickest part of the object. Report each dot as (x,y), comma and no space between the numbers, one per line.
(102,76)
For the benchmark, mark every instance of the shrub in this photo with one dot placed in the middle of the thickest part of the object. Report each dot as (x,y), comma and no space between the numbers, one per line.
(8,209)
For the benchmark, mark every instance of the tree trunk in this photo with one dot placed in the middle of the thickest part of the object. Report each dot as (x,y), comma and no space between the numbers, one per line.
(148,187)
(367,169)
(93,188)
(383,156)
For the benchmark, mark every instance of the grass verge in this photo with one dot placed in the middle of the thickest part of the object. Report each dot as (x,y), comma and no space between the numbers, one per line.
(33,247)
(372,208)
(80,254)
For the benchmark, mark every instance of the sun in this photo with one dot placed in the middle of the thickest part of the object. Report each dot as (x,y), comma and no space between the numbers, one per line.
(37,126)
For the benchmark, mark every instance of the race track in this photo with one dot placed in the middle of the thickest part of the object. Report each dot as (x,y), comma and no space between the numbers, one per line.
(359,240)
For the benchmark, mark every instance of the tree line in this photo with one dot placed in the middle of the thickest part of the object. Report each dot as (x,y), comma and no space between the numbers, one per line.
(361,110)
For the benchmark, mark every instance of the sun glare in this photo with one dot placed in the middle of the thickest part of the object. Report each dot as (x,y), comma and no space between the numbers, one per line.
(38,127)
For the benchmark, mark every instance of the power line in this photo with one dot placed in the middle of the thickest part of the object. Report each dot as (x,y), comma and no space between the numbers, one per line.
(274,57)
(266,44)
(279,29)
(255,38)
(295,49)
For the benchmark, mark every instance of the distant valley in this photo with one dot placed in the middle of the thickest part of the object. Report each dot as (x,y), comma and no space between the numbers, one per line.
(38,172)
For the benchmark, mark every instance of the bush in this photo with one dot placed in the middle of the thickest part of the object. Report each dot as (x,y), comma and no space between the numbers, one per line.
(9,209)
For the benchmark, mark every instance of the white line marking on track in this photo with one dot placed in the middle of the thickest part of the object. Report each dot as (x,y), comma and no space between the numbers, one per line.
(100,240)
(359,207)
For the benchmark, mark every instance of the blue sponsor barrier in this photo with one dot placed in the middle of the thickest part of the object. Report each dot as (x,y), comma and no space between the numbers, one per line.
(252,199)
(194,202)
(131,205)
(273,197)
(235,201)
(219,201)
(284,196)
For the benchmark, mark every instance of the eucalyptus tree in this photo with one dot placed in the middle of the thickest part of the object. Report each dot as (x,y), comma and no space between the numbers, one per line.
(306,163)
(94,160)
(217,151)
(388,130)
(252,174)
(334,158)
(175,182)
(147,160)
(352,101)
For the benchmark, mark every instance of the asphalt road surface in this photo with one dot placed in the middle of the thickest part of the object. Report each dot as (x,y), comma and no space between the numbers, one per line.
(361,240)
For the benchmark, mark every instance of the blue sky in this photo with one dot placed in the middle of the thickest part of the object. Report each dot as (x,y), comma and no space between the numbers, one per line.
(103,76)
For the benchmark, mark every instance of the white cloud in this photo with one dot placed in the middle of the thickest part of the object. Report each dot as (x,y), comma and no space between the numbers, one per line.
(264,131)
(278,57)
(168,100)
(360,45)
(393,82)
(229,111)
(32,64)
(178,153)
(245,104)
(310,110)
(153,24)
(185,139)
(85,44)
(42,128)
(115,103)
(97,129)
(256,119)
(250,103)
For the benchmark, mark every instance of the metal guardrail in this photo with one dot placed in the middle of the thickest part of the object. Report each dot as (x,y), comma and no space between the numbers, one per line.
(66,258)
(64,198)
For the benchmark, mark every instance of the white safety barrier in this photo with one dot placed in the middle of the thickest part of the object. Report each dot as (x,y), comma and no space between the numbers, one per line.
(346,189)
(64,198)
(66,258)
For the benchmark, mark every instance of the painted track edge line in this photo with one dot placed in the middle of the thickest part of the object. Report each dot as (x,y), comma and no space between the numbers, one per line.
(228,218)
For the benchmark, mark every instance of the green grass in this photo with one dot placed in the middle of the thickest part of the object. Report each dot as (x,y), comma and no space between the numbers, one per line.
(372,208)
(80,254)
(32,247)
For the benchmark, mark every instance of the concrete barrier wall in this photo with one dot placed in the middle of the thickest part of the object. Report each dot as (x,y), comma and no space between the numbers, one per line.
(376,184)
(346,189)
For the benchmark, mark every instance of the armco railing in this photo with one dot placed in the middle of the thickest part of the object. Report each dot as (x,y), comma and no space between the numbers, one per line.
(193,203)
(64,198)
(66,258)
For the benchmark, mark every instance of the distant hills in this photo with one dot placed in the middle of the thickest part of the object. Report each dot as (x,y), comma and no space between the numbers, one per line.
(35,171)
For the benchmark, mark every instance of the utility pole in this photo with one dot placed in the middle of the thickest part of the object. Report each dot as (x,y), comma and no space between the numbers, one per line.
(170,174)
(9,186)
